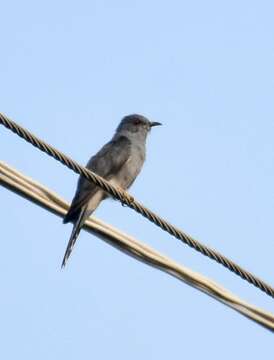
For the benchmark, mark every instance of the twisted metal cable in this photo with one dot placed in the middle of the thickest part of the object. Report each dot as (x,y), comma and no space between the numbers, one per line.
(125,199)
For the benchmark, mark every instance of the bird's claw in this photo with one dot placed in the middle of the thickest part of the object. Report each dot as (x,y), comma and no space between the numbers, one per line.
(127,198)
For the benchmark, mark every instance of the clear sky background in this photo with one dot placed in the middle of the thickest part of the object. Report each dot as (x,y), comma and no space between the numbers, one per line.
(69,71)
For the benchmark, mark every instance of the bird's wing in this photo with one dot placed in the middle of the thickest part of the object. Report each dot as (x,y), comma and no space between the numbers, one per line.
(107,162)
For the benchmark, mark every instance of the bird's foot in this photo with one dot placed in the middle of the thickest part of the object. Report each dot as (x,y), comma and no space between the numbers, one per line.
(127,198)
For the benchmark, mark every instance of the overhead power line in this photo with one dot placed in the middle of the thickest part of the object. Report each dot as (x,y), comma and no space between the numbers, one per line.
(40,195)
(125,198)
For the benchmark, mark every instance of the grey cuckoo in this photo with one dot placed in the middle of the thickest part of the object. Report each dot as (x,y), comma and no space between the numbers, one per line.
(119,161)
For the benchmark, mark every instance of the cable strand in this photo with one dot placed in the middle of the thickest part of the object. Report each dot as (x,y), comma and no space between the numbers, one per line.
(133,204)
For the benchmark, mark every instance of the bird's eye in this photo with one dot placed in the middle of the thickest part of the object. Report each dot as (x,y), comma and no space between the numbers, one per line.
(137,122)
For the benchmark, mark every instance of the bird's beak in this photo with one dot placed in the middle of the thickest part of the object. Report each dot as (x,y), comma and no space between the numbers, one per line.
(154,123)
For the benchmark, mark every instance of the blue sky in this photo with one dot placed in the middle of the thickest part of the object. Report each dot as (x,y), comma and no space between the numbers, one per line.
(69,71)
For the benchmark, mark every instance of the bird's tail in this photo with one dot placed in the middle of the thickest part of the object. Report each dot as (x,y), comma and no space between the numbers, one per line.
(75,233)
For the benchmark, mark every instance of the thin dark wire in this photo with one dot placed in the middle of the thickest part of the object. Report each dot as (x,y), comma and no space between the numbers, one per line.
(125,199)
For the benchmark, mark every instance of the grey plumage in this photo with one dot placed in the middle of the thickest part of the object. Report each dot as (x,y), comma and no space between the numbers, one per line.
(119,161)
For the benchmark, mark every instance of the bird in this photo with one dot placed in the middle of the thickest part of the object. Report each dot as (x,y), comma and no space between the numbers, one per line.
(119,161)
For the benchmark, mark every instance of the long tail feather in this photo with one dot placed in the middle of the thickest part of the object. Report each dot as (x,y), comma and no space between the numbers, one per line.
(74,235)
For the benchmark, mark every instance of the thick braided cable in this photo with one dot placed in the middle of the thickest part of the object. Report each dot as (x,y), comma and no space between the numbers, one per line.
(121,196)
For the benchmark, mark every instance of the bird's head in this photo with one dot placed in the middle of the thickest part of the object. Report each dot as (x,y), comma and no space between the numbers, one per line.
(136,124)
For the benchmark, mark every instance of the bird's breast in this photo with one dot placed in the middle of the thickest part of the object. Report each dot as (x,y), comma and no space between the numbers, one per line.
(130,170)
